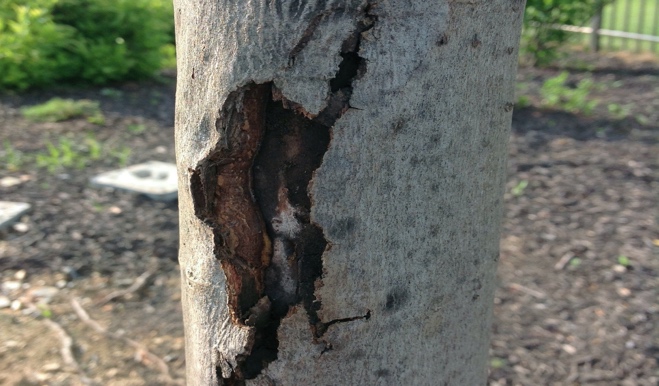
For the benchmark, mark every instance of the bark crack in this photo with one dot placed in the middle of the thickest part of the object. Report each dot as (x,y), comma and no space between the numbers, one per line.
(253,192)
(327,325)
(306,37)
(328,345)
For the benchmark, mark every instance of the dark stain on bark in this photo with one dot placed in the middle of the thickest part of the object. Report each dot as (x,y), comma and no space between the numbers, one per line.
(382,373)
(396,299)
(443,40)
(475,41)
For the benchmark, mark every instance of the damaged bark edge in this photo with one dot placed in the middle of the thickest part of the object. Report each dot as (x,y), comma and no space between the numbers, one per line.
(293,148)
(221,189)
(253,192)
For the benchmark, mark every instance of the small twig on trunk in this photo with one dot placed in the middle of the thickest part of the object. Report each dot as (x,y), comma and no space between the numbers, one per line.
(141,350)
(137,285)
(67,352)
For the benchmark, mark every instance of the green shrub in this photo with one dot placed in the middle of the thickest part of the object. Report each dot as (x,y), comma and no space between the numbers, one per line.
(33,48)
(540,38)
(116,39)
(94,41)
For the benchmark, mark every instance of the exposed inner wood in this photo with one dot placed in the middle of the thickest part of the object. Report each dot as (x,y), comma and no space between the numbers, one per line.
(241,228)
(222,193)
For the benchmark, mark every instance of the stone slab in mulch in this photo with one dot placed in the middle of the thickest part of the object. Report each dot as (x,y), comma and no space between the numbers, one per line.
(157,180)
(11,211)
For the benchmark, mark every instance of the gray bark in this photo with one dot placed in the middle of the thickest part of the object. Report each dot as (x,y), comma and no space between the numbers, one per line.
(341,168)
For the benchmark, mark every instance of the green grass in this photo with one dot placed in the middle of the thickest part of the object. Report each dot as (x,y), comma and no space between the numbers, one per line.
(575,262)
(136,128)
(68,152)
(497,363)
(619,111)
(518,190)
(624,261)
(557,94)
(631,16)
(121,155)
(11,158)
(636,16)
(58,109)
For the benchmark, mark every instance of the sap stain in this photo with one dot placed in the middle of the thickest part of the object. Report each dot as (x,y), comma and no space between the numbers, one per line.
(443,40)
(396,299)
(382,373)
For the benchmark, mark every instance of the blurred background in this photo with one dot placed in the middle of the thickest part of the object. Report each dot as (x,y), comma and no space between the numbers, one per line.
(89,283)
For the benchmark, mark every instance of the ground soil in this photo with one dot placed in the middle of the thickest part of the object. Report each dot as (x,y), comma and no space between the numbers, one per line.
(577,300)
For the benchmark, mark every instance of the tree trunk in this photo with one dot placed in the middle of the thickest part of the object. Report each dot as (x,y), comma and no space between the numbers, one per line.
(341,168)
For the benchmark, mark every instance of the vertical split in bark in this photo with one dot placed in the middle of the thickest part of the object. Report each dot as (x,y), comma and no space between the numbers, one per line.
(253,191)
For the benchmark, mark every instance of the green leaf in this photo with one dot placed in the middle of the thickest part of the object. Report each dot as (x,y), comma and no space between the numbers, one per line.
(623,260)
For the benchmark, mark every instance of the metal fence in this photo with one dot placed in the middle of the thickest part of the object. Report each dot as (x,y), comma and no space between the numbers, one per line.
(624,25)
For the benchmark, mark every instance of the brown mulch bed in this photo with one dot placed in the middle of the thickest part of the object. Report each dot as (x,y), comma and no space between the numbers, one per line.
(579,267)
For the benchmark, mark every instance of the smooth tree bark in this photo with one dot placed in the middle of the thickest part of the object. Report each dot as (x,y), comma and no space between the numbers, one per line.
(341,170)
